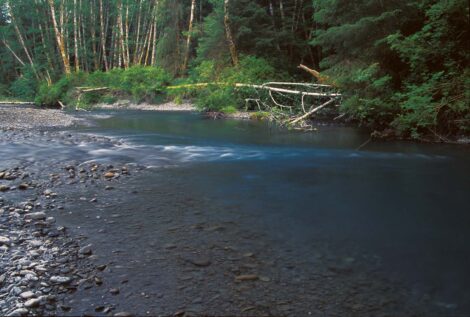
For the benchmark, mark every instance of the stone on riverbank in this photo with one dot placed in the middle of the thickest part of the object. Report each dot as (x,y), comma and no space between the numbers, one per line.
(36,216)
(4,241)
(60,279)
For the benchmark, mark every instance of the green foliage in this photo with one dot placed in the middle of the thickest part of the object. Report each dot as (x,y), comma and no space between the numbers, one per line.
(400,64)
(109,99)
(25,86)
(139,83)
(216,98)
(222,95)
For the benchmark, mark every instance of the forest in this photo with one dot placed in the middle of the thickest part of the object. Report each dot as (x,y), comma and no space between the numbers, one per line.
(402,66)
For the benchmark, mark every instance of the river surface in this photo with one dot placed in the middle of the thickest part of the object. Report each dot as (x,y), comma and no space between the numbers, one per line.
(322,223)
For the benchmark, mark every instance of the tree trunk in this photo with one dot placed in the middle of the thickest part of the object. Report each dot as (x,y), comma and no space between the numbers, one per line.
(189,37)
(59,39)
(121,37)
(228,33)
(96,64)
(103,37)
(75,36)
(22,42)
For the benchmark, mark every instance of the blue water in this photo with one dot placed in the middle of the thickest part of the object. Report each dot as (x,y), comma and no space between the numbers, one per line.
(398,208)
(405,203)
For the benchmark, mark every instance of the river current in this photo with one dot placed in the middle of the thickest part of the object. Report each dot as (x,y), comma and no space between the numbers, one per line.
(306,205)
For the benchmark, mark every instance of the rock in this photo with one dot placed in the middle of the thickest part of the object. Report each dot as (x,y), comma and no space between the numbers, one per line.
(47,192)
(35,243)
(109,175)
(114,291)
(27,295)
(99,309)
(4,188)
(65,308)
(33,302)
(101,267)
(264,279)
(36,216)
(170,246)
(200,261)
(60,279)
(18,312)
(23,186)
(86,250)
(123,314)
(246,277)
(4,240)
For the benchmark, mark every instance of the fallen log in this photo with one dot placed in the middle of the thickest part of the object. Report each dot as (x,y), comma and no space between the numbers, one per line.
(309,113)
(16,103)
(322,79)
(89,89)
(288,91)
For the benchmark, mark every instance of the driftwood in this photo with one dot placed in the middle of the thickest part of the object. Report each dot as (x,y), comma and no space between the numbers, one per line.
(271,96)
(309,113)
(81,91)
(16,103)
(322,79)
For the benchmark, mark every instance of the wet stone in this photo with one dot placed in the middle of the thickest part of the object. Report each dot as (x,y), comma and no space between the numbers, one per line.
(36,216)
(33,302)
(199,261)
(114,291)
(86,250)
(60,279)
(4,240)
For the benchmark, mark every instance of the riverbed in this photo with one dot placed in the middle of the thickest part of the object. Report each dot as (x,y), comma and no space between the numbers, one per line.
(227,217)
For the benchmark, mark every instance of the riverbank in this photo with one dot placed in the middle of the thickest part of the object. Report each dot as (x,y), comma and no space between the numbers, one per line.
(162,244)
(25,117)
(128,105)
(42,262)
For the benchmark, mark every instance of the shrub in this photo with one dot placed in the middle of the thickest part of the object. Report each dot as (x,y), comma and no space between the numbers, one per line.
(139,83)
(25,86)
(144,83)
(251,70)
(216,98)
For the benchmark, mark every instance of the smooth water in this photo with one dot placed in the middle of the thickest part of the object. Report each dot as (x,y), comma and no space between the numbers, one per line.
(406,203)
(403,206)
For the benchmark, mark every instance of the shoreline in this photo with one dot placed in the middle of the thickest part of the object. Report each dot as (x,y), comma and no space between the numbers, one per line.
(44,262)
(26,116)
(72,264)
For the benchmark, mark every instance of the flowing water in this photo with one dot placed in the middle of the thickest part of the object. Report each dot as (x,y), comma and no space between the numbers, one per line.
(312,213)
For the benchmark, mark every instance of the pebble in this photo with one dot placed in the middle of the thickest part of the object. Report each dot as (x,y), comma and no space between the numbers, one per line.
(114,291)
(86,250)
(4,241)
(60,279)
(109,175)
(27,295)
(23,186)
(33,302)
(200,261)
(36,216)
(246,277)
(18,312)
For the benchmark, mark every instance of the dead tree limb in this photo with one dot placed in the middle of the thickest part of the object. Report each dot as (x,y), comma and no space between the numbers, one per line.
(308,114)
(322,79)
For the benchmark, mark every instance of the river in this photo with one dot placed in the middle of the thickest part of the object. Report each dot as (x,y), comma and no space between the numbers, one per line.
(323,226)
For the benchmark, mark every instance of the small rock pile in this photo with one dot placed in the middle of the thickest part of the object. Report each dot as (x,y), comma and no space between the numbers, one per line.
(38,260)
